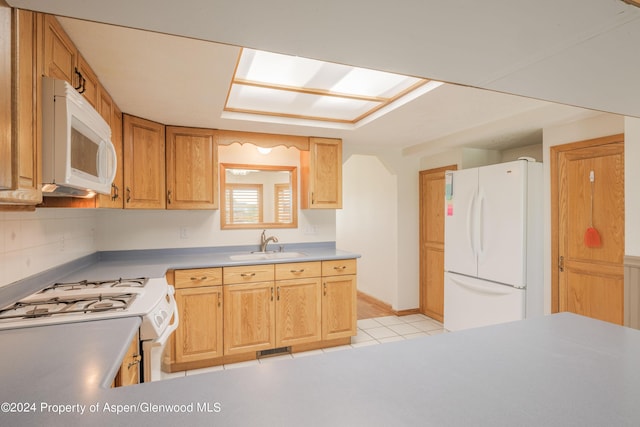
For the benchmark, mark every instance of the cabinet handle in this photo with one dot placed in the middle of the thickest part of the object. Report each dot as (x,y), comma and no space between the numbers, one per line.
(136,359)
(169,197)
(247,274)
(325,288)
(199,278)
(313,198)
(297,271)
(339,267)
(278,297)
(128,194)
(272,293)
(115,192)
(219,299)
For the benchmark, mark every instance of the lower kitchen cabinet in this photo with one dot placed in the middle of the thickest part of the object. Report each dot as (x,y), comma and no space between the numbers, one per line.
(129,372)
(199,300)
(199,333)
(298,311)
(339,299)
(249,317)
(228,314)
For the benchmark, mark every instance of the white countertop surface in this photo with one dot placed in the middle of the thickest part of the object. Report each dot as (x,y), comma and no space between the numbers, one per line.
(559,370)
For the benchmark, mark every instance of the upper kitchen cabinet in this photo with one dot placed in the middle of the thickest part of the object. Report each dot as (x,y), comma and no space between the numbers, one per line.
(191,168)
(60,54)
(321,174)
(87,82)
(144,163)
(20,128)
(113,116)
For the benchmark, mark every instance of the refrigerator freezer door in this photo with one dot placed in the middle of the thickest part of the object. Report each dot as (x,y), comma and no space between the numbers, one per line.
(470,303)
(460,224)
(502,209)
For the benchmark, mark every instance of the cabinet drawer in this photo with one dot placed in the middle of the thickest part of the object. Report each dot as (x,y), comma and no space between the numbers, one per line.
(298,270)
(197,277)
(338,267)
(248,274)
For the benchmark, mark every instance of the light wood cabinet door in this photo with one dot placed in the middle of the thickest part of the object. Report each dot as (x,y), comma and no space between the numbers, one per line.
(339,307)
(129,372)
(321,174)
(199,333)
(144,158)
(113,116)
(20,152)
(87,82)
(191,168)
(249,317)
(298,311)
(60,54)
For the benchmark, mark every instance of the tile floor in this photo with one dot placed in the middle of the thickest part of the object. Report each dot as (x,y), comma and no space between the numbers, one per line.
(370,332)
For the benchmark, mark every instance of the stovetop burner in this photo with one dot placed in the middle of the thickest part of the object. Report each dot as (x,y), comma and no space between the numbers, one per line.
(139,282)
(64,305)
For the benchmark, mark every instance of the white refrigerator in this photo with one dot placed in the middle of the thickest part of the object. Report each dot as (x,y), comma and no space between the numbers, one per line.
(493,244)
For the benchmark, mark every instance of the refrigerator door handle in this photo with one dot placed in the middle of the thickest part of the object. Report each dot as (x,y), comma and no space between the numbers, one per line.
(480,244)
(496,289)
(470,224)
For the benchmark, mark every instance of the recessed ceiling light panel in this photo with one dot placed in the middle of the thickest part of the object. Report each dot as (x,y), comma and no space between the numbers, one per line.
(292,87)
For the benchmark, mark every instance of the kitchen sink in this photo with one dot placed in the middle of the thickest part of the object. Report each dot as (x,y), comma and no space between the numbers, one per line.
(266,255)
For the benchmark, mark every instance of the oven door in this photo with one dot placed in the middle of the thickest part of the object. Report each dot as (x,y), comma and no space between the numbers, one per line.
(152,349)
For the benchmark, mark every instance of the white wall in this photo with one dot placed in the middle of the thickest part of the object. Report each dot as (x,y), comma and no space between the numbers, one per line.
(596,126)
(31,242)
(367,224)
(632,185)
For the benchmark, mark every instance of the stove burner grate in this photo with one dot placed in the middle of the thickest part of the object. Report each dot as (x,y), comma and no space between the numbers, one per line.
(138,282)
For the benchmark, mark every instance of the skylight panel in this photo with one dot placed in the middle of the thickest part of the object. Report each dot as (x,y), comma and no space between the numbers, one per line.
(268,84)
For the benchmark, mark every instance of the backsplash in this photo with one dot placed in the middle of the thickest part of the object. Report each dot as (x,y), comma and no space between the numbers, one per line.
(31,242)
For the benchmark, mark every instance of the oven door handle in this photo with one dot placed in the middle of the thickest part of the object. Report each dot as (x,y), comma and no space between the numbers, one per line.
(162,339)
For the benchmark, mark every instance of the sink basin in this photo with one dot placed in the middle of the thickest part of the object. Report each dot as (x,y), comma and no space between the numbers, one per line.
(266,255)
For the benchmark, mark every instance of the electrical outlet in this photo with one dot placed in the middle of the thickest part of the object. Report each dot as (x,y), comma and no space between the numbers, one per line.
(311,229)
(184,234)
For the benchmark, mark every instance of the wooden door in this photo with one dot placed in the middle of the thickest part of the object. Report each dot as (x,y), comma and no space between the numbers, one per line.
(298,311)
(339,307)
(199,333)
(249,318)
(191,168)
(144,171)
(432,209)
(588,280)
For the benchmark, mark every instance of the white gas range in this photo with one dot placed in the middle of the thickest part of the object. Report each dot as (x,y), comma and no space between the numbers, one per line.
(85,300)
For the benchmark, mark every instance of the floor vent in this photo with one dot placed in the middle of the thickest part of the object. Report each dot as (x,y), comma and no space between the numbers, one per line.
(273,352)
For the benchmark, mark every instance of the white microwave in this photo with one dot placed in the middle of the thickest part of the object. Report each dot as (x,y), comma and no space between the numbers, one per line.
(78,157)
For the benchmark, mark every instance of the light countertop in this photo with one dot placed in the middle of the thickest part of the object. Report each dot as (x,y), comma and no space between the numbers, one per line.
(558,370)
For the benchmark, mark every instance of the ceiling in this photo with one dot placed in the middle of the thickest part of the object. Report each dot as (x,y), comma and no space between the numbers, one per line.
(575,52)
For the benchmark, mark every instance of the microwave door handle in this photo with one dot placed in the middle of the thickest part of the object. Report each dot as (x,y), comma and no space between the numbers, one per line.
(104,162)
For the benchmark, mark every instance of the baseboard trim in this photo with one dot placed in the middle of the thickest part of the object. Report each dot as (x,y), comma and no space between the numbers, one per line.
(384,306)
(374,301)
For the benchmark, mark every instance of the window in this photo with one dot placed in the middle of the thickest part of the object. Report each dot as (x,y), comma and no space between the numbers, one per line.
(244,202)
(283,203)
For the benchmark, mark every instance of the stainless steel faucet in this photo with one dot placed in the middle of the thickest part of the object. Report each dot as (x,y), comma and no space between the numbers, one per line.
(264,241)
